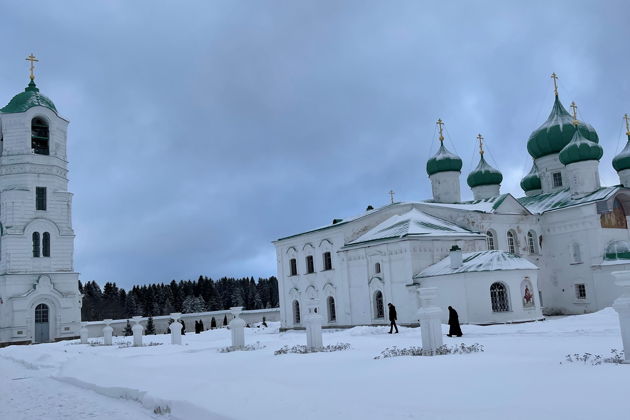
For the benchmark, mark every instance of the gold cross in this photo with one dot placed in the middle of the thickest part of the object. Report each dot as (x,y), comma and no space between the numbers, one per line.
(555,83)
(574,108)
(440,123)
(480,138)
(627,118)
(33,60)
(391,196)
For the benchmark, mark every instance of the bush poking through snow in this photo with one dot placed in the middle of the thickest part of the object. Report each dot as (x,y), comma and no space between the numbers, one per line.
(417,351)
(302,349)
(616,357)
(247,347)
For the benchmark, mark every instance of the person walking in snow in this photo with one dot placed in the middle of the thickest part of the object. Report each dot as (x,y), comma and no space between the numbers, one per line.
(453,322)
(392,318)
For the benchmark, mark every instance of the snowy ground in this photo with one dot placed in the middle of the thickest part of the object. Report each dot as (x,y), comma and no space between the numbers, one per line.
(519,376)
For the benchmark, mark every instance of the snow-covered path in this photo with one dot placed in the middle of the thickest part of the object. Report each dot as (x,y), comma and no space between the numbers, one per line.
(27,394)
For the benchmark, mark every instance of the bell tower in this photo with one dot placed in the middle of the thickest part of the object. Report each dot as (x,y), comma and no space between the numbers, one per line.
(39,296)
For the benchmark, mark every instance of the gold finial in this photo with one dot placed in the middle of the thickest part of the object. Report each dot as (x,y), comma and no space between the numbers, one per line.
(440,123)
(33,60)
(480,138)
(391,196)
(555,83)
(627,118)
(574,108)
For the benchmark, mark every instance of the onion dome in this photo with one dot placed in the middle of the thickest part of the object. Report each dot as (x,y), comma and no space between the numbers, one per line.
(28,99)
(531,181)
(622,160)
(484,174)
(443,161)
(580,149)
(557,132)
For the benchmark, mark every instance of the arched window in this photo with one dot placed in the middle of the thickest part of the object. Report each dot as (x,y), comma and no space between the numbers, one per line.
(296,312)
(531,242)
(293,267)
(39,136)
(511,240)
(46,244)
(377,268)
(490,240)
(35,244)
(332,315)
(576,254)
(327,261)
(379,310)
(499,298)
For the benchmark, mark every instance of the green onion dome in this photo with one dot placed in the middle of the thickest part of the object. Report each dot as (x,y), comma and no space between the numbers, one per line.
(617,250)
(580,149)
(531,181)
(557,132)
(444,161)
(484,174)
(26,100)
(622,160)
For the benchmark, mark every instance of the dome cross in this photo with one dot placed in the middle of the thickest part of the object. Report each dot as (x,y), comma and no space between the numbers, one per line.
(33,60)
(555,83)
(627,118)
(440,123)
(574,108)
(480,138)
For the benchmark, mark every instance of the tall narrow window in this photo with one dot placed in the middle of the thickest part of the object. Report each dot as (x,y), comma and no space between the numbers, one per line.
(293,268)
(310,266)
(379,310)
(576,255)
(35,244)
(40,198)
(511,240)
(39,136)
(557,179)
(296,312)
(490,240)
(332,315)
(531,242)
(46,244)
(499,298)
(377,268)
(327,261)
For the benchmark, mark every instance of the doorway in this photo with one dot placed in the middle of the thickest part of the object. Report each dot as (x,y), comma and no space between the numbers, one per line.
(42,328)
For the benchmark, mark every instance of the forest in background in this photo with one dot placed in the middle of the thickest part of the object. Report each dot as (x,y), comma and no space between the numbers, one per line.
(186,296)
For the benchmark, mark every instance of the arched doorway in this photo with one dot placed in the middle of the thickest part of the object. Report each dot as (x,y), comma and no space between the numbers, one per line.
(42,327)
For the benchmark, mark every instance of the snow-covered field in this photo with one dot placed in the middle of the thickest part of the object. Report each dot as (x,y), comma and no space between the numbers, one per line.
(519,376)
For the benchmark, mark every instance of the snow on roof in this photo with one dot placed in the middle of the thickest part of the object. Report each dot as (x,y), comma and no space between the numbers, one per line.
(486,205)
(479,261)
(412,223)
(553,201)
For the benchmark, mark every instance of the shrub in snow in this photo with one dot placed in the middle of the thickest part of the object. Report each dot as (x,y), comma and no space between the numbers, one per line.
(616,357)
(302,349)
(125,344)
(442,350)
(247,347)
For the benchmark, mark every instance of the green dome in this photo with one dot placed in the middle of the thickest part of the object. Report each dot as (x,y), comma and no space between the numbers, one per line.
(531,181)
(557,132)
(617,250)
(26,100)
(444,161)
(484,174)
(622,160)
(580,149)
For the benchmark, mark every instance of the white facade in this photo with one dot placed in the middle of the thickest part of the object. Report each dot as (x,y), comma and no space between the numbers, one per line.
(39,296)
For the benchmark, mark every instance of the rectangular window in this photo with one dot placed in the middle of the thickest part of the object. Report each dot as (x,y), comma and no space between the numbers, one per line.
(293,268)
(310,266)
(327,261)
(557,179)
(40,198)
(580,291)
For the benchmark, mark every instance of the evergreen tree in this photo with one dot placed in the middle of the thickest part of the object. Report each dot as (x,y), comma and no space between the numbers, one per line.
(225,320)
(150,330)
(128,330)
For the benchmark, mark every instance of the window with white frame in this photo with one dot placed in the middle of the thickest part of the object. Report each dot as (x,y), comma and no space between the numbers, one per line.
(580,291)
(499,298)
(531,242)
(332,314)
(296,312)
(511,240)
(490,240)
(557,179)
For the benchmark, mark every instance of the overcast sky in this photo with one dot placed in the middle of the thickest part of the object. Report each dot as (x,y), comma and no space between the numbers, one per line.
(200,131)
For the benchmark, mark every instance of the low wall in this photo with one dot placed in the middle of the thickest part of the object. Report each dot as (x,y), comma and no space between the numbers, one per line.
(95,328)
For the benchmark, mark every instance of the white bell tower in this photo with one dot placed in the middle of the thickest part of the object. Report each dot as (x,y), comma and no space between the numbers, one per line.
(39,295)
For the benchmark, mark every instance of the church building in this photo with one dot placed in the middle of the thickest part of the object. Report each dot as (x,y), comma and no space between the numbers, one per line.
(497,258)
(39,295)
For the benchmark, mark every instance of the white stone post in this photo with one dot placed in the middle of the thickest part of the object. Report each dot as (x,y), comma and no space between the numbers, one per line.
(313,325)
(83,332)
(107,332)
(429,315)
(137,331)
(622,306)
(237,328)
(176,329)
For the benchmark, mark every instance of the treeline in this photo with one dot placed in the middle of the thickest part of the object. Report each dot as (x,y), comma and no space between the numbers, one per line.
(188,296)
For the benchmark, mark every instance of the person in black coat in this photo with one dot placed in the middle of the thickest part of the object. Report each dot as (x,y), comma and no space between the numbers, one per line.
(453,322)
(392,318)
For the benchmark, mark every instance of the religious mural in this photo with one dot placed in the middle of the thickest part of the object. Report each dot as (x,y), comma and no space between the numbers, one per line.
(527,293)
(616,219)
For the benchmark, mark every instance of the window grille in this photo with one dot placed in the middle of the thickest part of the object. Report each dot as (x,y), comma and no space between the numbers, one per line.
(327,261)
(293,267)
(332,315)
(378,305)
(39,136)
(511,242)
(41,313)
(296,312)
(490,240)
(531,243)
(580,291)
(310,266)
(40,198)
(499,298)
(35,244)
(557,179)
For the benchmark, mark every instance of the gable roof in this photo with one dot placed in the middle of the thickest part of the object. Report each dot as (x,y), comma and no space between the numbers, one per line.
(542,203)
(478,261)
(504,203)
